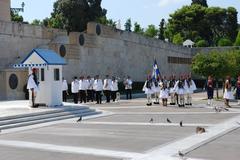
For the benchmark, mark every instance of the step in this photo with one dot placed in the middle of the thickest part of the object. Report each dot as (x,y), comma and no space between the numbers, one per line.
(43,116)
(47,120)
(42,113)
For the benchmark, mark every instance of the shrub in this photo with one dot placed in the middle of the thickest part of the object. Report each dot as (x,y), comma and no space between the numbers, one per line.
(224,42)
(202,43)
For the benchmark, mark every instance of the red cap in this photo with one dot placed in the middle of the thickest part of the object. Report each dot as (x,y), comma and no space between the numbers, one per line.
(34,70)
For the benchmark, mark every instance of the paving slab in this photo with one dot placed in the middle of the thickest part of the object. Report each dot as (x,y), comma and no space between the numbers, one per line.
(142,109)
(11,153)
(224,148)
(120,137)
(161,118)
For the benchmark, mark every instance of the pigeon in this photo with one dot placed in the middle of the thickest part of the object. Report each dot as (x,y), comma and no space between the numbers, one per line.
(226,109)
(181,124)
(200,130)
(151,120)
(181,154)
(217,109)
(168,121)
(80,119)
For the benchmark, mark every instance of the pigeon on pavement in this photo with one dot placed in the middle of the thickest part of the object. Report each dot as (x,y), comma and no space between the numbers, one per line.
(151,120)
(181,124)
(80,119)
(181,154)
(168,121)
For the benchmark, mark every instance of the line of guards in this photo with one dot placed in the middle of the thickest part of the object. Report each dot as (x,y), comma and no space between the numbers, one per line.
(162,88)
(90,89)
(181,90)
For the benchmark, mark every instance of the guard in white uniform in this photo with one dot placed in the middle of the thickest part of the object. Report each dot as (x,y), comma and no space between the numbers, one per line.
(98,87)
(107,85)
(157,90)
(172,92)
(164,94)
(148,89)
(89,83)
(114,88)
(82,89)
(32,86)
(64,89)
(75,89)
(190,87)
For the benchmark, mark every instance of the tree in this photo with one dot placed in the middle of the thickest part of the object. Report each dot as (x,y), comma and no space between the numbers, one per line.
(161,30)
(151,31)
(73,15)
(219,65)
(36,22)
(211,24)
(16,17)
(231,24)
(137,28)
(202,43)
(108,22)
(128,25)
(178,39)
(224,42)
(237,41)
(187,20)
(200,2)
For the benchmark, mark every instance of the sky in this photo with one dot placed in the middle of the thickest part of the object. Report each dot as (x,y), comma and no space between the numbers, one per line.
(145,12)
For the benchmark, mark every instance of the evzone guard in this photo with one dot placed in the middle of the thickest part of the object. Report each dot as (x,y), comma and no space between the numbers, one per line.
(172,91)
(190,87)
(179,88)
(156,89)
(148,89)
(32,85)
(164,93)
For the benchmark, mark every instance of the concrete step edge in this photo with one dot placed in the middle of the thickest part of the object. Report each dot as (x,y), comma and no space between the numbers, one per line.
(28,119)
(47,120)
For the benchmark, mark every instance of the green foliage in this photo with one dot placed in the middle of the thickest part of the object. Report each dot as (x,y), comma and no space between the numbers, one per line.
(16,17)
(161,30)
(224,42)
(231,23)
(209,23)
(36,22)
(200,2)
(137,28)
(151,31)
(73,15)
(217,64)
(202,43)
(128,25)
(178,39)
(237,42)
(108,22)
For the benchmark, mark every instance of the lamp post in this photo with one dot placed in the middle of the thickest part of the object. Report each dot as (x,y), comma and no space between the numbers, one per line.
(17,10)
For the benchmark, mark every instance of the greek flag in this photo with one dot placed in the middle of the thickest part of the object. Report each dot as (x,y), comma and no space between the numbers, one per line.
(155,72)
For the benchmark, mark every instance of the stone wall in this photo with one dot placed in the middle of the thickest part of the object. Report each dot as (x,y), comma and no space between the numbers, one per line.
(19,39)
(5,10)
(105,50)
